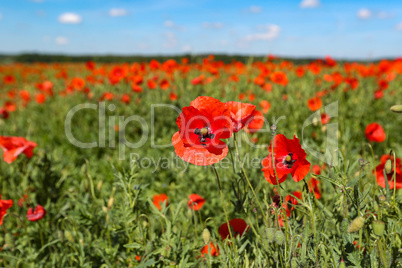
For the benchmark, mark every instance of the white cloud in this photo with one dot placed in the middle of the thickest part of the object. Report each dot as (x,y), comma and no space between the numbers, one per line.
(255,9)
(118,12)
(212,25)
(364,13)
(60,40)
(70,18)
(309,3)
(187,48)
(399,26)
(271,32)
(170,40)
(171,24)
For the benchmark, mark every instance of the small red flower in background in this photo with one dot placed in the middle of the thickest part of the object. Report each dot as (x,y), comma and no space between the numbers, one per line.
(3,113)
(77,83)
(202,126)
(159,199)
(37,214)
(257,123)
(314,103)
(40,98)
(325,119)
(205,250)
(375,132)
(289,158)
(195,202)
(289,204)
(126,99)
(4,206)
(300,71)
(9,79)
(14,146)
(313,187)
(238,228)
(107,96)
(265,105)
(379,172)
(138,258)
(22,200)
(240,113)
(279,78)
(378,94)
(172,96)
(316,169)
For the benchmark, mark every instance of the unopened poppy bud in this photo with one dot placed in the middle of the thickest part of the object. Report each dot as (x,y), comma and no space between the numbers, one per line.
(99,186)
(206,236)
(9,240)
(110,203)
(382,198)
(397,108)
(270,232)
(69,236)
(60,234)
(356,224)
(279,237)
(388,166)
(104,209)
(342,264)
(378,227)
(294,263)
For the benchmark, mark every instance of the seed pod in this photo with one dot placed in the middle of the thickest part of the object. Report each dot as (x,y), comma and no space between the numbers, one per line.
(206,236)
(69,236)
(382,198)
(9,240)
(110,203)
(60,234)
(378,227)
(104,209)
(356,224)
(270,233)
(279,237)
(388,166)
(397,108)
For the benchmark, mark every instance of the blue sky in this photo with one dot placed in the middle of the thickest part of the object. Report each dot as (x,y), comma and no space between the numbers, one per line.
(361,29)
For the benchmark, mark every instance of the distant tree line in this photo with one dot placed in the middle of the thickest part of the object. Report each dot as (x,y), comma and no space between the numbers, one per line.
(48,58)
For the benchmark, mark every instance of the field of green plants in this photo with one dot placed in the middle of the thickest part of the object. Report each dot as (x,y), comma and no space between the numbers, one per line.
(201,164)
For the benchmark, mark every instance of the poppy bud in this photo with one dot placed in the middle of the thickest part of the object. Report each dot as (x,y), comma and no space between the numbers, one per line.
(397,108)
(99,186)
(9,240)
(376,207)
(270,232)
(388,166)
(294,263)
(382,198)
(378,228)
(342,264)
(206,236)
(356,224)
(69,236)
(60,234)
(110,203)
(104,209)
(279,237)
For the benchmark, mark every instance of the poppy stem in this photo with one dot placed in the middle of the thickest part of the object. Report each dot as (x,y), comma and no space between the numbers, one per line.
(223,202)
(245,175)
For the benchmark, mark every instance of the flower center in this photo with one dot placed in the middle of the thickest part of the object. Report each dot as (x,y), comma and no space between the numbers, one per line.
(203,134)
(288,161)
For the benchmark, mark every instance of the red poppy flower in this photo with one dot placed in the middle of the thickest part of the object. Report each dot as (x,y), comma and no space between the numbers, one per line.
(265,106)
(151,84)
(214,251)
(77,83)
(289,157)
(379,172)
(238,228)
(37,214)
(125,99)
(313,187)
(14,146)
(136,88)
(279,78)
(325,118)
(172,96)
(202,126)
(90,65)
(378,94)
(195,202)
(289,204)
(314,104)
(4,206)
(9,79)
(257,122)
(316,169)
(40,98)
(240,113)
(3,113)
(159,199)
(375,132)
(300,71)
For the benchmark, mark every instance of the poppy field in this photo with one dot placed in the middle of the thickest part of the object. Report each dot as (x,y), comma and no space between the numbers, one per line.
(201,163)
